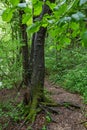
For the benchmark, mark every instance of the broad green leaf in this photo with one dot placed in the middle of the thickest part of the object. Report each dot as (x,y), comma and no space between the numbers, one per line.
(84,38)
(37,8)
(51,5)
(74,26)
(29,22)
(14,2)
(28,10)
(44,22)
(65,41)
(33,28)
(7,14)
(61,11)
(27,19)
(82,2)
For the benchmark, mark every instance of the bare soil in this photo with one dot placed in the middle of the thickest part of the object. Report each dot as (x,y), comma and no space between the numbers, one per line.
(68,118)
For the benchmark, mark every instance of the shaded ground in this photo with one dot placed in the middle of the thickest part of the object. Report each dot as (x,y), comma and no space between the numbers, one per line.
(67,119)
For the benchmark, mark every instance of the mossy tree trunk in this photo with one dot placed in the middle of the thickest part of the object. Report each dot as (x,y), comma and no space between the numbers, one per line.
(37,64)
(24,48)
(37,80)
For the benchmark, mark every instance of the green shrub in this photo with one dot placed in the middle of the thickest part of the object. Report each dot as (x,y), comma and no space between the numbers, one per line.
(70,69)
(76,80)
(10,64)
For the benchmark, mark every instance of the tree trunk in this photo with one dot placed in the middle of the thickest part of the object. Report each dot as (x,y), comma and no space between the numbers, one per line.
(37,80)
(38,63)
(31,58)
(24,49)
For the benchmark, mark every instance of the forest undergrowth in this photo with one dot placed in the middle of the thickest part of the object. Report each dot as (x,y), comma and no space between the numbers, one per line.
(69,69)
(71,115)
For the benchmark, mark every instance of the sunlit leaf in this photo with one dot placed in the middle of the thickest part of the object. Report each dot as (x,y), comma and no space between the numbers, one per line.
(66,41)
(51,5)
(37,8)
(27,19)
(33,28)
(14,2)
(7,14)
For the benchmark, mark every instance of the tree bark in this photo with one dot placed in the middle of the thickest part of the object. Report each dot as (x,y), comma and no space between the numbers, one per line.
(31,58)
(38,63)
(37,80)
(24,49)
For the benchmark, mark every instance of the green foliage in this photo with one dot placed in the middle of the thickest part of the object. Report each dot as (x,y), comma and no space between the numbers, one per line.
(7,14)
(10,69)
(44,128)
(70,69)
(9,111)
(84,38)
(48,119)
(14,2)
(37,5)
(33,28)
(78,16)
(63,26)
(76,79)
(82,2)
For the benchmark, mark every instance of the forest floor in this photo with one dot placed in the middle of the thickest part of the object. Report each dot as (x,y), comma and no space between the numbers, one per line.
(67,118)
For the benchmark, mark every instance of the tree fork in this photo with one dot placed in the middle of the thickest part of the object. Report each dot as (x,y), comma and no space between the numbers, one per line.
(38,73)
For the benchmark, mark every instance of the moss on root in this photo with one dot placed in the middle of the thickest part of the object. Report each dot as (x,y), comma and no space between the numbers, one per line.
(37,104)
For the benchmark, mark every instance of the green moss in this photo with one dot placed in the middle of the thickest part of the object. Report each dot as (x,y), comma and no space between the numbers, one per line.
(33,109)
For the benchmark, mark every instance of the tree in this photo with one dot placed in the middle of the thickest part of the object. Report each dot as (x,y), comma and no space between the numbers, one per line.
(38,73)
(58,21)
(24,49)
(37,55)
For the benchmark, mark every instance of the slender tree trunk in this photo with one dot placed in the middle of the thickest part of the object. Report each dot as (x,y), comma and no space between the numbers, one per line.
(31,58)
(24,49)
(38,57)
(38,63)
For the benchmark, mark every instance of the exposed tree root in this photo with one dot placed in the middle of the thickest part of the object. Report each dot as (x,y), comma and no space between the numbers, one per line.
(61,104)
(69,105)
(48,107)
(47,112)
(82,122)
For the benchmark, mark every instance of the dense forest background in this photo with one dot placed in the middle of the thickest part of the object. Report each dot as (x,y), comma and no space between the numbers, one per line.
(42,40)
